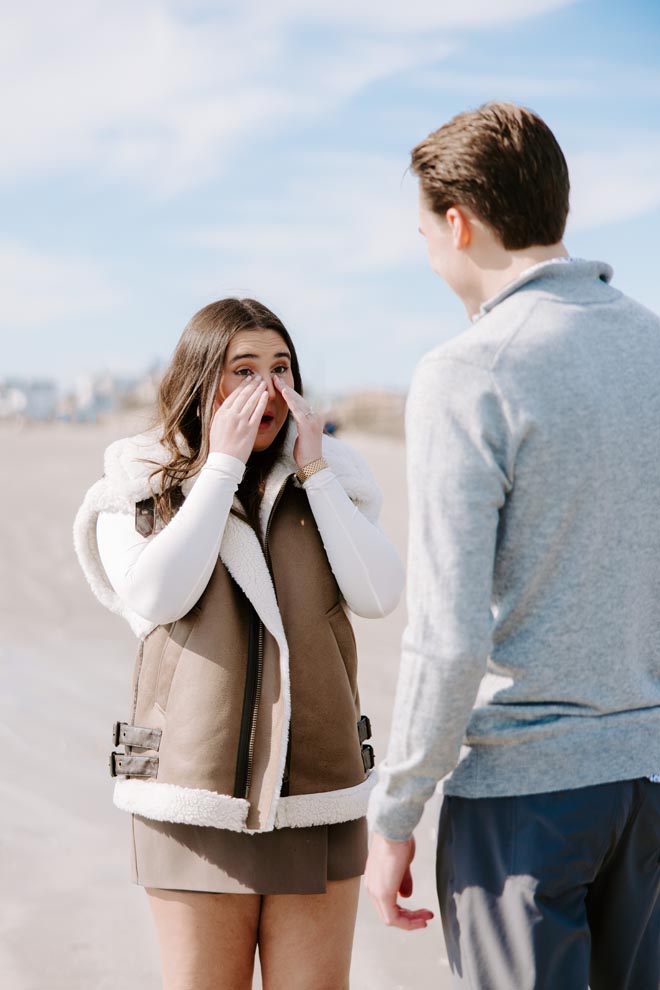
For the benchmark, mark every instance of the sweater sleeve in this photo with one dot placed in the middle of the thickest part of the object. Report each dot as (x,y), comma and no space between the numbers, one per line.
(366,565)
(458,453)
(161,577)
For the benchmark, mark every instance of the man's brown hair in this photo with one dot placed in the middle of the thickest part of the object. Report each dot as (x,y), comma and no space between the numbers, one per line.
(503,163)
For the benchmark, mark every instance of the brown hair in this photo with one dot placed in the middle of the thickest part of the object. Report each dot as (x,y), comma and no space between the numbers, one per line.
(503,163)
(187,392)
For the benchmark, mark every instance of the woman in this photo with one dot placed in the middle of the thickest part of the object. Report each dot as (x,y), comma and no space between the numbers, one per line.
(232,537)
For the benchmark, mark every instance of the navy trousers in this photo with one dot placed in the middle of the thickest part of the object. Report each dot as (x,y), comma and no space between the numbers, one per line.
(556,891)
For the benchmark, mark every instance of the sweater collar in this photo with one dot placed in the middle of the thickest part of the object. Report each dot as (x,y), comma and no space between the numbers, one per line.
(557,269)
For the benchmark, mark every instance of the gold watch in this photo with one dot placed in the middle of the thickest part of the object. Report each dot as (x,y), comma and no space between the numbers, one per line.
(307,470)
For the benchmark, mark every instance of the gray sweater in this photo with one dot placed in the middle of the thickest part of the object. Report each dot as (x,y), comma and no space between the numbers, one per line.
(531,659)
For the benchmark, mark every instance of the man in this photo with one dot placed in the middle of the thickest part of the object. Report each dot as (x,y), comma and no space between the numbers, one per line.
(530,669)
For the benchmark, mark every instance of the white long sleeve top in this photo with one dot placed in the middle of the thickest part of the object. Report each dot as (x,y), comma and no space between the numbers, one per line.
(162,576)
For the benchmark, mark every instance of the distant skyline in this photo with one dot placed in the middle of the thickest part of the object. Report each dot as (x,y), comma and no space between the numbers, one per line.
(159,155)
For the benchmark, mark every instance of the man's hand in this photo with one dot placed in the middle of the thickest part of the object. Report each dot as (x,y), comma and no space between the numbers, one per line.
(388,875)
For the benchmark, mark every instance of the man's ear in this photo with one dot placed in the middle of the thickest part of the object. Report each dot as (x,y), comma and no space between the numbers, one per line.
(459,225)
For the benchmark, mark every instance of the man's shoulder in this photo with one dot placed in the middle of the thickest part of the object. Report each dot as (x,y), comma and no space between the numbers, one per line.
(475,348)
(456,373)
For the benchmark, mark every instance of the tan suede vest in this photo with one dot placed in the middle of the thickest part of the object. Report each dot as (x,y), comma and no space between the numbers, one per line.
(190,679)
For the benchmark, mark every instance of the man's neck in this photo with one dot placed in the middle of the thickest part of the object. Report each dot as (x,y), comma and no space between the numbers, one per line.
(505,267)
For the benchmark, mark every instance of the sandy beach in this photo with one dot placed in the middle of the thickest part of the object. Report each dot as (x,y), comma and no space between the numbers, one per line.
(70,918)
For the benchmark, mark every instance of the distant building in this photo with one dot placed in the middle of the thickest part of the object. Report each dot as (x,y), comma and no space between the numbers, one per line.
(371,410)
(92,396)
(28,399)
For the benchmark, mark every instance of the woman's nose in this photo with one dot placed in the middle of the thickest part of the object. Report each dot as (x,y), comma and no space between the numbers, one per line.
(272,390)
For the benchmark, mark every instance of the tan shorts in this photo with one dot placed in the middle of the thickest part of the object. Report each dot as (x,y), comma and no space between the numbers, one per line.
(286,861)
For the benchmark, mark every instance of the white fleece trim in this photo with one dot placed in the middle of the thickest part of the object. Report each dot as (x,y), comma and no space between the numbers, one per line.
(102,498)
(192,806)
(186,805)
(305,810)
(241,553)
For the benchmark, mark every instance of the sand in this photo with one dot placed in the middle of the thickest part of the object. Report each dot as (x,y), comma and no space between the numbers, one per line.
(70,917)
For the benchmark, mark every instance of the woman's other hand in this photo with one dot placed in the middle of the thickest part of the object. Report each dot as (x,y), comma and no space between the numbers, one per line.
(235,423)
(309,443)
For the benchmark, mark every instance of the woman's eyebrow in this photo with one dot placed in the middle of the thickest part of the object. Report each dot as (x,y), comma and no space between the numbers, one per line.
(244,357)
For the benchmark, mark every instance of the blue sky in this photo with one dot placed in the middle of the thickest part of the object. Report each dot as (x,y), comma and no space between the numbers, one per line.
(159,155)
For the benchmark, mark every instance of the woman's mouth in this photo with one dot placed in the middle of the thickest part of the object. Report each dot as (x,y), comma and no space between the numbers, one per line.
(266,421)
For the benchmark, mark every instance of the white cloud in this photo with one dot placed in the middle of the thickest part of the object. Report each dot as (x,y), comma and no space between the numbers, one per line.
(412,16)
(508,86)
(324,266)
(163,94)
(614,184)
(37,289)
(348,216)
(128,89)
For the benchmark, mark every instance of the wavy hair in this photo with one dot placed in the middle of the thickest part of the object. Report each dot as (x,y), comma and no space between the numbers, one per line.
(186,395)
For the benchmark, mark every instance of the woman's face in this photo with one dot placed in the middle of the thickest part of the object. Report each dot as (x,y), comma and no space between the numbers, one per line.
(265,353)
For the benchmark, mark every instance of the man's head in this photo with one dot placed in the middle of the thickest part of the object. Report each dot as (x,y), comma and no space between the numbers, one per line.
(494,181)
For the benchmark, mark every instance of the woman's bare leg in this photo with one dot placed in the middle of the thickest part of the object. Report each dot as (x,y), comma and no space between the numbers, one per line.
(305,940)
(207,941)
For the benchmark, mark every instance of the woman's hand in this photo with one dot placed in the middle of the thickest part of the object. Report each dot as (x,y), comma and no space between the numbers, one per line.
(309,444)
(235,423)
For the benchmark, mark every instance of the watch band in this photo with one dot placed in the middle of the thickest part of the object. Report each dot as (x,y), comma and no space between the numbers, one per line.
(307,470)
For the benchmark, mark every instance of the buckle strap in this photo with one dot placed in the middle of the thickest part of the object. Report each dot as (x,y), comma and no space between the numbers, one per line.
(364,728)
(134,735)
(122,764)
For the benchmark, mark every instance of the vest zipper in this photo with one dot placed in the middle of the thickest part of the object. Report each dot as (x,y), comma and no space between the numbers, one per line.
(255,710)
(252,684)
(254,677)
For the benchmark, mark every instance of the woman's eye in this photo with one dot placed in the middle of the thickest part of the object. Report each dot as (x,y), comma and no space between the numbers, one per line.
(281,369)
(245,372)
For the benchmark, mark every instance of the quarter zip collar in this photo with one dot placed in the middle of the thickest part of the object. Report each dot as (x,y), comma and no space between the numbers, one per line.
(557,269)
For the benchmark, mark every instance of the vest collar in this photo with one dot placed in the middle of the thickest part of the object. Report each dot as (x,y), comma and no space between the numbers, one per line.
(129,462)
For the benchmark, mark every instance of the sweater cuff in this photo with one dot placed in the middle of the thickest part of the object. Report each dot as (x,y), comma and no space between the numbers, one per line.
(394,818)
(318,480)
(225,464)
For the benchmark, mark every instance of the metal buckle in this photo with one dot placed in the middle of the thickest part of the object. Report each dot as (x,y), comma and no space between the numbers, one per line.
(116,729)
(364,728)
(368,759)
(111,763)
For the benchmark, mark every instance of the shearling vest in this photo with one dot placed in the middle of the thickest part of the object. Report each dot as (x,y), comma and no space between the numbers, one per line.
(245,713)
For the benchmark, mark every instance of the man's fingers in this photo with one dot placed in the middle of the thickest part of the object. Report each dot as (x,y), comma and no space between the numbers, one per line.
(406,887)
(396,916)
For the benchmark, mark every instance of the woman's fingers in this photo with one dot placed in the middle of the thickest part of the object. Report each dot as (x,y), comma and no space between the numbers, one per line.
(245,393)
(258,411)
(235,400)
(244,414)
(295,402)
(289,394)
